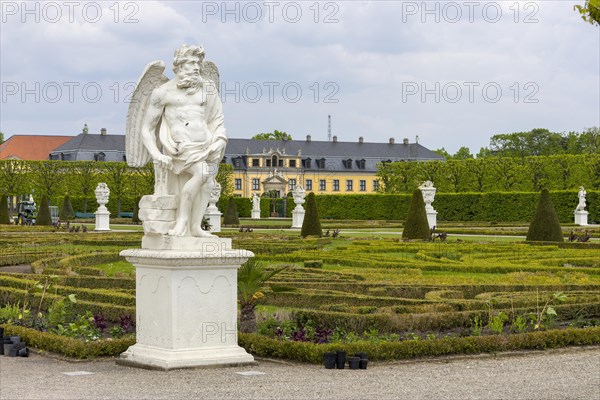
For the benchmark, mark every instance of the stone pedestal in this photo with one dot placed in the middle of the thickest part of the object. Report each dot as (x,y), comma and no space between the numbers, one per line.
(214,219)
(186,303)
(255,214)
(581,217)
(431,217)
(298,218)
(102,219)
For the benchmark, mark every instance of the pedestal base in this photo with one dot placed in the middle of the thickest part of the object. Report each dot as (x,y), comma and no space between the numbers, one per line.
(186,303)
(102,220)
(255,214)
(581,217)
(432,218)
(214,219)
(297,218)
(142,356)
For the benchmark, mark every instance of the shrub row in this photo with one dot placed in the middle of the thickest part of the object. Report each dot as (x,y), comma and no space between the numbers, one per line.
(409,349)
(493,206)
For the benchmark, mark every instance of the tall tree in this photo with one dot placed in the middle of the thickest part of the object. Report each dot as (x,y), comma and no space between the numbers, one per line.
(86,180)
(463,154)
(275,135)
(1,137)
(117,174)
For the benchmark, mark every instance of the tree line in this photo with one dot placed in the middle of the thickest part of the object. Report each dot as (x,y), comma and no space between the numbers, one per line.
(80,178)
(494,174)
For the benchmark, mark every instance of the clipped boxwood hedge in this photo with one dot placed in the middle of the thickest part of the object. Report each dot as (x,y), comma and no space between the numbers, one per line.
(70,347)
(313,353)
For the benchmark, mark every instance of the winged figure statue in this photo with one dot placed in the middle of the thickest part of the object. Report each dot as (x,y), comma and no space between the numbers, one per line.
(178,124)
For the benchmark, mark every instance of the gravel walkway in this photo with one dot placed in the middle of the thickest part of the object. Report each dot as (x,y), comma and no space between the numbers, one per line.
(572,373)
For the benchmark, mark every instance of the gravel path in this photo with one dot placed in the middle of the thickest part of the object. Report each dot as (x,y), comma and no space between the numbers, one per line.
(572,373)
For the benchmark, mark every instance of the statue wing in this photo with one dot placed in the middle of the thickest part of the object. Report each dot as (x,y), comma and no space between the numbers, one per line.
(209,71)
(152,77)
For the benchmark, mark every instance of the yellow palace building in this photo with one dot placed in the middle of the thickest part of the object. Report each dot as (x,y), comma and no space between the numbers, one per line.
(323,167)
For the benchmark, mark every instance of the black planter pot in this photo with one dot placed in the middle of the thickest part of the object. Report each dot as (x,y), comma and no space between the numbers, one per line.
(362,364)
(1,332)
(15,339)
(329,360)
(362,355)
(5,340)
(7,347)
(340,359)
(23,352)
(354,362)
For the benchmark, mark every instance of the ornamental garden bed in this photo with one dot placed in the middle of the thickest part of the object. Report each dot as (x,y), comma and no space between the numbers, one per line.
(389,298)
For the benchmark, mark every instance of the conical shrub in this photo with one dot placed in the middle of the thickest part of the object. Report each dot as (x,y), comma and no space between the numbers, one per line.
(416,225)
(311,226)
(545,226)
(231,215)
(43,215)
(66,212)
(4,218)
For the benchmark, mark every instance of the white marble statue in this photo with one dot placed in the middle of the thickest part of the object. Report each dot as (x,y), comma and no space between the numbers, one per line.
(255,202)
(178,124)
(581,195)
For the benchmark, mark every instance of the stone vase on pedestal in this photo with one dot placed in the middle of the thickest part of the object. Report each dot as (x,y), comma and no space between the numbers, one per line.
(212,212)
(428,192)
(102,214)
(298,214)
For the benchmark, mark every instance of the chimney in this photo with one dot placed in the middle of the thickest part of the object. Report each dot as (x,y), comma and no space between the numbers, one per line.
(308,138)
(392,141)
(103,131)
(360,140)
(405,141)
(335,139)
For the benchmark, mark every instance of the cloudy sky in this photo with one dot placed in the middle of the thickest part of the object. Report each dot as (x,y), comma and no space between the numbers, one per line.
(451,73)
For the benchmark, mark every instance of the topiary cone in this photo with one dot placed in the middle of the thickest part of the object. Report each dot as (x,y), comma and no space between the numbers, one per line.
(416,225)
(545,226)
(43,216)
(231,215)
(66,212)
(311,226)
(4,218)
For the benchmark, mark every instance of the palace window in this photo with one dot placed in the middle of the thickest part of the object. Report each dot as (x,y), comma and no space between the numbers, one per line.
(322,185)
(307,163)
(361,163)
(321,163)
(238,184)
(292,183)
(256,162)
(375,185)
(308,184)
(336,185)
(349,185)
(255,184)
(363,185)
(292,163)
(99,157)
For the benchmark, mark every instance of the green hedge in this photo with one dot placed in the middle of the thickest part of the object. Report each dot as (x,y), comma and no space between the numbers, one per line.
(409,349)
(70,347)
(493,206)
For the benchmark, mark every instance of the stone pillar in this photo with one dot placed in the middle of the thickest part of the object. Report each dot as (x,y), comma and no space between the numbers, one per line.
(102,214)
(212,212)
(428,192)
(186,303)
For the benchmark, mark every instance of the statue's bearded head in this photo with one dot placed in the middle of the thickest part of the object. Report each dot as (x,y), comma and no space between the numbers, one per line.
(186,66)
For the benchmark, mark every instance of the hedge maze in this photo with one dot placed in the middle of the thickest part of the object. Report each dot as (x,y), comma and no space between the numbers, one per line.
(389,297)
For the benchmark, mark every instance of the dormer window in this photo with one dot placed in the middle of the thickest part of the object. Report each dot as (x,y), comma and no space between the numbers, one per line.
(347,163)
(321,163)
(99,157)
(361,164)
(307,163)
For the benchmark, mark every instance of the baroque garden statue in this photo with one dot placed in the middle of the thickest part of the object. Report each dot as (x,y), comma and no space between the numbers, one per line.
(178,124)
